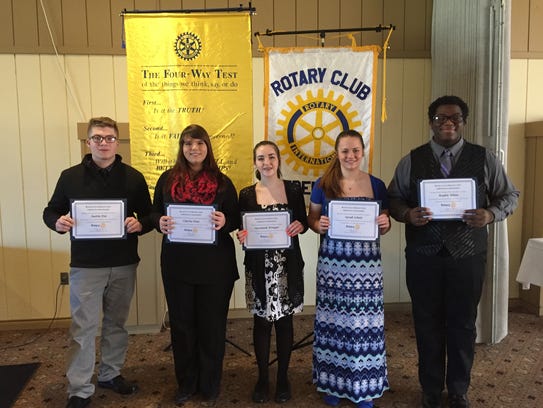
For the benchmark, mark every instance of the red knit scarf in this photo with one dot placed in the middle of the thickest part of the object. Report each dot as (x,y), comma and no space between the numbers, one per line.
(201,190)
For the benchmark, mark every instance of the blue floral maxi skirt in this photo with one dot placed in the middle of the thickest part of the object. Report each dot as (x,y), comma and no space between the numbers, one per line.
(349,359)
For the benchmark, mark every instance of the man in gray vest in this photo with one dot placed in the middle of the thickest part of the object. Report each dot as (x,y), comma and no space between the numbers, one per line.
(446,251)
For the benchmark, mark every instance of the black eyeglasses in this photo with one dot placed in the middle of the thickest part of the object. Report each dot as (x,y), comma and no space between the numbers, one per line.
(441,119)
(98,139)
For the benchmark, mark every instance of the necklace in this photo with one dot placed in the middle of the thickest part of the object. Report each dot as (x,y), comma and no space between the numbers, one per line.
(350,184)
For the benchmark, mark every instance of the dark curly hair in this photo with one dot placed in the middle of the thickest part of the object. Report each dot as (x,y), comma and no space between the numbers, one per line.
(448,100)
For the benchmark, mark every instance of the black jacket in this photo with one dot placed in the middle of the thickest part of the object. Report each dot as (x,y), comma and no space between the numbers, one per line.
(84,181)
(199,263)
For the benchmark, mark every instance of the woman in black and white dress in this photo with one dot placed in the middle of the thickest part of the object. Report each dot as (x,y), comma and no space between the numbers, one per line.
(274,277)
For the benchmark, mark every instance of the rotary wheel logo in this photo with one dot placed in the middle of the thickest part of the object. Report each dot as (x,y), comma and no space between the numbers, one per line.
(307,133)
(188,46)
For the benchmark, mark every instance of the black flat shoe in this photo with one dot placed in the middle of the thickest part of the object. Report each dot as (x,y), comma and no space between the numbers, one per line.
(261,393)
(282,394)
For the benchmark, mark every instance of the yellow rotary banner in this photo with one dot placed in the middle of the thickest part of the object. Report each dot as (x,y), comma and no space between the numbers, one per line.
(184,69)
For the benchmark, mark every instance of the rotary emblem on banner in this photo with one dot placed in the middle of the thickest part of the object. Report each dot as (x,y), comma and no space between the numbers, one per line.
(188,46)
(308,128)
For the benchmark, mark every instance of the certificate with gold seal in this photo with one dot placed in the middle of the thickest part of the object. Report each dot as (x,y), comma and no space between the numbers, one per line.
(353,220)
(192,223)
(98,219)
(266,229)
(448,198)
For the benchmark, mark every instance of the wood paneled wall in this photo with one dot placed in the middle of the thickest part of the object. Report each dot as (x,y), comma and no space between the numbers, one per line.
(532,226)
(95,26)
(44,97)
(527,29)
(40,115)
(533,197)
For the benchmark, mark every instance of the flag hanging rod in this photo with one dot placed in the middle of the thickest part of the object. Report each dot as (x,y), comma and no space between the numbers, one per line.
(187,11)
(322,33)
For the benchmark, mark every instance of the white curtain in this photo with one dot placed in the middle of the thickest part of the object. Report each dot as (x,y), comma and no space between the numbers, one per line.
(470,59)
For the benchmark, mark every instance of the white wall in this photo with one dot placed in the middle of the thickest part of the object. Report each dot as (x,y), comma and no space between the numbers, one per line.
(39,113)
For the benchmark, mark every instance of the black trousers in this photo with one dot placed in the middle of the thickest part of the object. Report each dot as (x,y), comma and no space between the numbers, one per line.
(198,315)
(445,293)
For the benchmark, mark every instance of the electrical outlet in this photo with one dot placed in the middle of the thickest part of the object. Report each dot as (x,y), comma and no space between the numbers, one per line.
(64,278)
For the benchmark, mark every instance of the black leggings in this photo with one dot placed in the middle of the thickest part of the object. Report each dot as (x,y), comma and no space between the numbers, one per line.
(284,334)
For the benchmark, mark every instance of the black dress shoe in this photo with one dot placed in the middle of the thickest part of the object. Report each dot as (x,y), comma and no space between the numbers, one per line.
(119,385)
(210,402)
(78,402)
(182,396)
(458,401)
(431,400)
(261,393)
(282,393)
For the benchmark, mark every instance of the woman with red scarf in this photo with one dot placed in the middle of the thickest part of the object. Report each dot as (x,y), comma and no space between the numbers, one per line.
(198,278)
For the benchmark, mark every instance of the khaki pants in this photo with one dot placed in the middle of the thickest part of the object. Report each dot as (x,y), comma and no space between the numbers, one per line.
(98,295)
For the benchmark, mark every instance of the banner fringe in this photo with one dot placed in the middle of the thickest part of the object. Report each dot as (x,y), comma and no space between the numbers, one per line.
(384,97)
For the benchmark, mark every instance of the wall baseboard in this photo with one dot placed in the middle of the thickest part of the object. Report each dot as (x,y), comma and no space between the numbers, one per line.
(38,324)
(64,323)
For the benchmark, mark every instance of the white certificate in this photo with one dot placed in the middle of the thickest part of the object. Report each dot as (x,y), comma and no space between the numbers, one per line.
(192,223)
(98,219)
(353,220)
(448,198)
(266,229)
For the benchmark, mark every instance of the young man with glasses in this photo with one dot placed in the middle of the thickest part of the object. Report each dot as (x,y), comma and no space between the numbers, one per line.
(446,254)
(103,265)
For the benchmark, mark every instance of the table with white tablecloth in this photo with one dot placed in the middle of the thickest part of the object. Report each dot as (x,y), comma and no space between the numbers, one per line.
(531,267)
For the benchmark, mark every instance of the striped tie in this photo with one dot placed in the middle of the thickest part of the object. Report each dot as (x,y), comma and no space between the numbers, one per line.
(446,162)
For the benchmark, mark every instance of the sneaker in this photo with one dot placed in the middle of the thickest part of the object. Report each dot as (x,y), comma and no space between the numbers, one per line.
(119,385)
(331,400)
(78,402)
(365,404)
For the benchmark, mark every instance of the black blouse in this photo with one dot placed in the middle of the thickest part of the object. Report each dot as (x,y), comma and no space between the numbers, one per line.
(254,259)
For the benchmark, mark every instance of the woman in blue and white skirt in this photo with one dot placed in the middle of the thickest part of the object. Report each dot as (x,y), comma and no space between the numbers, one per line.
(349,360)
